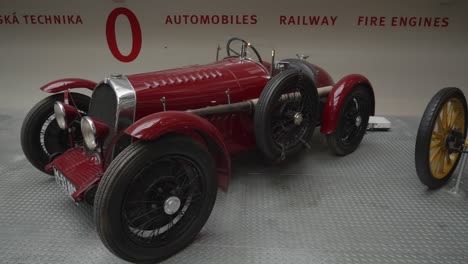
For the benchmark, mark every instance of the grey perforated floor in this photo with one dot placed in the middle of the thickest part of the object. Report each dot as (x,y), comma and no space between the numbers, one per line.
(368,207)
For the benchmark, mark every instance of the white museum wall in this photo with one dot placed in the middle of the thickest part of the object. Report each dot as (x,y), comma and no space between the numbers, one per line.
(406,65)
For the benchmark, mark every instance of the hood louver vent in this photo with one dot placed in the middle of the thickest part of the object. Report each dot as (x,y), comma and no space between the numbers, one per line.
(184,77)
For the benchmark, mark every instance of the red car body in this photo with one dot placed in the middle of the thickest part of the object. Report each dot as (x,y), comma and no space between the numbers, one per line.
(162,101)
(149,150)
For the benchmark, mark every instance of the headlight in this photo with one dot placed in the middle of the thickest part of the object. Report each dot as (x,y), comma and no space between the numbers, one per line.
(88,129)
(60,115)
(94,132)
(65,114)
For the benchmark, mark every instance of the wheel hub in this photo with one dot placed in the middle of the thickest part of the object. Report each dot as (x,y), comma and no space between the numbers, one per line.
(171,205)
(358,121)
(298,118)
(454,141)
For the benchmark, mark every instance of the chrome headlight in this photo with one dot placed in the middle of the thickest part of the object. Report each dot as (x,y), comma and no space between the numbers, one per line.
(94,132)
(65,114)
(88,129)
(60,115)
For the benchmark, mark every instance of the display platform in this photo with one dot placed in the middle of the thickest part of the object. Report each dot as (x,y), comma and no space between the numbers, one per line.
(368,207)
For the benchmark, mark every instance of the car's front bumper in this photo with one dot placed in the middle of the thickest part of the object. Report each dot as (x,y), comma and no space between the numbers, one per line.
(80,169)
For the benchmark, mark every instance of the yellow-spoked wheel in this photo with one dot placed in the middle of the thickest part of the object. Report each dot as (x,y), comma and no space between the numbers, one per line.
(451,118)
(440,136)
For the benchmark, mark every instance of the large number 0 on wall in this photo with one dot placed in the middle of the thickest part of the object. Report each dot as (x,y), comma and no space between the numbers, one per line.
(112,40)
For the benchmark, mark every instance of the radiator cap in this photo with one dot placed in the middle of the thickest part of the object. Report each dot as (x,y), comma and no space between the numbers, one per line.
(116,75)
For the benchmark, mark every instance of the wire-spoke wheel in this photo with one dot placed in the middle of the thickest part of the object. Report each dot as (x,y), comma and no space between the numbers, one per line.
(440,137)
(162,200)
(291,119)
(286,115)
(352,122)
(42,138)
(155,197)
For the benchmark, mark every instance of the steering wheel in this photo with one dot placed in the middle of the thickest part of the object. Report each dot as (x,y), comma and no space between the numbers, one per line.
(237,54)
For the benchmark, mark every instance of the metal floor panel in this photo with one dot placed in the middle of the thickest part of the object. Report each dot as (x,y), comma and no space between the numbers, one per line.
(368,207)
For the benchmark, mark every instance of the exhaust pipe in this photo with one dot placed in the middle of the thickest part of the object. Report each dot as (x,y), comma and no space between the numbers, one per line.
(249,105)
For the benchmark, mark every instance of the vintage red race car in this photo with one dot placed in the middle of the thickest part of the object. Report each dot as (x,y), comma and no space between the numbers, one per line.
(149,150)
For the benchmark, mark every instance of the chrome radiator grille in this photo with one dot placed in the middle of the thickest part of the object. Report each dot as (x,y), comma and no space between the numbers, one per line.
(113,102)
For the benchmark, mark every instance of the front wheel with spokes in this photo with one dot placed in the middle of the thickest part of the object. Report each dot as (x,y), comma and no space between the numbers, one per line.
(440,137)
(286,115)
(155,197)
(41,137)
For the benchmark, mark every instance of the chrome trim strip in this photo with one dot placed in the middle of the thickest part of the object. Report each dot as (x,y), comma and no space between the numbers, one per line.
(126,104)
(272,67)
(126,99)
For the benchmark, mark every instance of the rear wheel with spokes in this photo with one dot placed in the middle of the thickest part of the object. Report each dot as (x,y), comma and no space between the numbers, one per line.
(440,137)
(155,197)
(352,122)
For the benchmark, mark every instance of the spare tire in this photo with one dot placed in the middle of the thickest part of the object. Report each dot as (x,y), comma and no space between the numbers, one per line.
(306,67)
(286,115)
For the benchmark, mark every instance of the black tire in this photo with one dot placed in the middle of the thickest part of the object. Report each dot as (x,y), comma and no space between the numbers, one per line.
(272,114)
(424,137)
(350,132)
(302,65)
(124,180)
(41,137)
